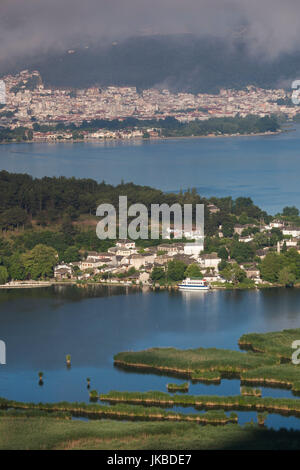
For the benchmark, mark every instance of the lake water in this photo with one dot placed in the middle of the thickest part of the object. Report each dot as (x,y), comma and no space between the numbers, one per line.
(265,168)
(41,326)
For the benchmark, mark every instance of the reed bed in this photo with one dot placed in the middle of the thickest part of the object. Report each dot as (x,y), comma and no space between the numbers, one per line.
(282,406)
(251,392)
(284,376)
(184,388)
(192,362)
(16,413)
(277,344)
(206,376)
(261,418)
(121,411)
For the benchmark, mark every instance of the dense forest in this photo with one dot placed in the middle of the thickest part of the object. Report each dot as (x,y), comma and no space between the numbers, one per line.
(50,199)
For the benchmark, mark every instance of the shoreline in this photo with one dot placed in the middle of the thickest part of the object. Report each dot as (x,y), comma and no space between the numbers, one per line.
(151,139)
(83,285)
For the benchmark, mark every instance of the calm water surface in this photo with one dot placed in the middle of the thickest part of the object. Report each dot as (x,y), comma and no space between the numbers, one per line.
(265,168)
(41,326)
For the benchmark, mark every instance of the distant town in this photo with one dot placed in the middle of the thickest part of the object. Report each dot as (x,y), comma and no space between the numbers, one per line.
(30,104)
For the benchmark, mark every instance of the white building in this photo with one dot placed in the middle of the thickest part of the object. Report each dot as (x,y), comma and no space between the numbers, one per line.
(137,261)
(128,244)
(291,231)
(194,249)
(210,260)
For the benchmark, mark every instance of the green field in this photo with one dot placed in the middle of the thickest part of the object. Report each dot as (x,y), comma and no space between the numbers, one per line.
(44,433)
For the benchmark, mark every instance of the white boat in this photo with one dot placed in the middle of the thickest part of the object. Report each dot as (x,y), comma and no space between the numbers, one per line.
(194,284)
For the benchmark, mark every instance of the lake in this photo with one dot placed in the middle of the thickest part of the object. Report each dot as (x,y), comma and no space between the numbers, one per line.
(266,168)
(41,326)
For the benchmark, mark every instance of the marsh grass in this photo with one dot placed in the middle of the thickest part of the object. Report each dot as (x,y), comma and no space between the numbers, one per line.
(278,343)
(206,376)
(283,375)
(193,362)
(251,392)
(282,406)
(184,388)
(43,433)
(119,411)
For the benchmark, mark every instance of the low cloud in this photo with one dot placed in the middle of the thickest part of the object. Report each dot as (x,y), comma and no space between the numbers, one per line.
(268,26)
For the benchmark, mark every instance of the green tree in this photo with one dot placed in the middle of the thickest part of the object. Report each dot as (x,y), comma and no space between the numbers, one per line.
(176,270)
(286,277)
(271,266)
(276,236)
(291,258)
(71,254)
(223,253)
(131,271)
(16,267)
(193,271)
(233,273)
(3,275)
(242,252)
(222,265)
(261,240)
(13,218)
(290,211)
(39,262)
(228,228)
(158,274)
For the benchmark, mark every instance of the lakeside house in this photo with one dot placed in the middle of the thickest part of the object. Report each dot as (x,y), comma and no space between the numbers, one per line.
(213,277)
(63,271)
(210,260)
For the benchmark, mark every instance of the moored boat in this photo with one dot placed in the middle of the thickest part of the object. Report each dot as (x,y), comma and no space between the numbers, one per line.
(194,284)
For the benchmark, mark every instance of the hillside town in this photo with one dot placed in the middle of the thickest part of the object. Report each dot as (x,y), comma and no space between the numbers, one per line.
(125,263)
(29,101)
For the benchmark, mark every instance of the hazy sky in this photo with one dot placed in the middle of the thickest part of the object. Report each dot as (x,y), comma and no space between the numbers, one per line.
(28,26)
